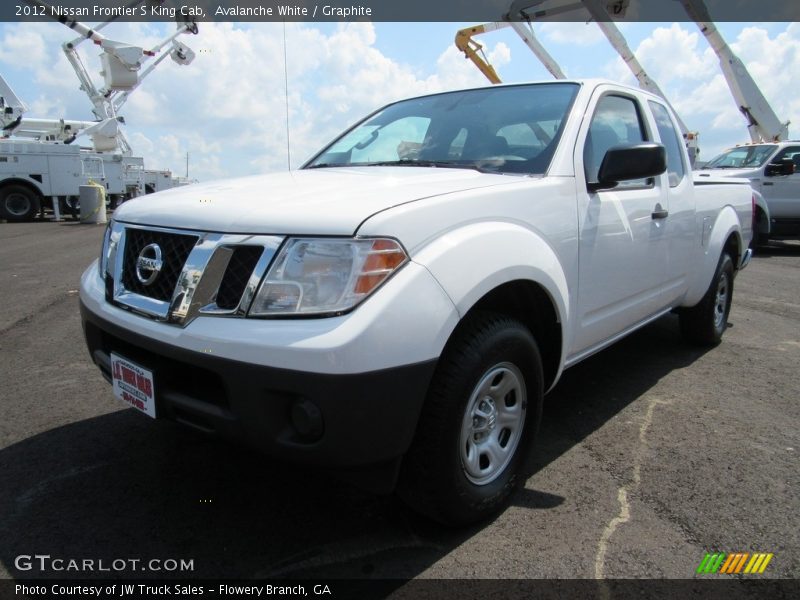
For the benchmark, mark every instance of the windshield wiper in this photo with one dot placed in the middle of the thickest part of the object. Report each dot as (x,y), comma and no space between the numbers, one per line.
(331,165)
(412,162)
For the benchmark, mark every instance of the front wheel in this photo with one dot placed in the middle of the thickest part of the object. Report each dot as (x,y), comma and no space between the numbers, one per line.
(705,323)
(478,423)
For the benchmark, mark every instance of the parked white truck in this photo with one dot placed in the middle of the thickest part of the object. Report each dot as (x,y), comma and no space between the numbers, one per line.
(398,306)
(774,171)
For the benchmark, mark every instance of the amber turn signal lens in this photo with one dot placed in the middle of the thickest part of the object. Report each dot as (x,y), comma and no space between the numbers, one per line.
(383,258)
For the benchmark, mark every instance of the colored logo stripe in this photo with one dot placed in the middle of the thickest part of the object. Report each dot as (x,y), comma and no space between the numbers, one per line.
(711,563)
(734,563)
(758,563)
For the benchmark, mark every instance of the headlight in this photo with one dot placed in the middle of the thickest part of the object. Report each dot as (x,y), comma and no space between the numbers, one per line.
(108,252)
(325,276)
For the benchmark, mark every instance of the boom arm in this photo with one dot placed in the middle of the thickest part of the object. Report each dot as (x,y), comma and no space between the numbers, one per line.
(121,72)
(762,122)
(598,11)
(474,51)
(11,106)
(618,42)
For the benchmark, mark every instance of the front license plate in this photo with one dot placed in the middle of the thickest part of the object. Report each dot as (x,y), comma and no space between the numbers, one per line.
(133,385)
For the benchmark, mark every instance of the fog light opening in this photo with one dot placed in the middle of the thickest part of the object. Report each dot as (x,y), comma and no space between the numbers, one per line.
(307,420)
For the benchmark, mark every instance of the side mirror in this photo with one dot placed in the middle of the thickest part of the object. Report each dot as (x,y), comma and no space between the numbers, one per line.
(783,167)
(630,161)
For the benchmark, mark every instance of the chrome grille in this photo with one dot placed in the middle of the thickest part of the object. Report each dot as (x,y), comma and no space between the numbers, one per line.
(240,268)
(200,272)
(175,248)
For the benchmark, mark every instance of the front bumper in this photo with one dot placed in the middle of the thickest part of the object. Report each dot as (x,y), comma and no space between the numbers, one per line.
(321,419)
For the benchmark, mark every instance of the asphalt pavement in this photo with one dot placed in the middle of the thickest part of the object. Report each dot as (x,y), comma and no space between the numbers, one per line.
(651,454)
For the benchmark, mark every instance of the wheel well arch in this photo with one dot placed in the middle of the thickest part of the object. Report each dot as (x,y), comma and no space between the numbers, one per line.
(733,248)
(761,214)
(529,302)
(23,182)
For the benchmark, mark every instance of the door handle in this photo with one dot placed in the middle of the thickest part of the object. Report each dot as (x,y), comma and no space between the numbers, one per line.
(660,213)
(768,183)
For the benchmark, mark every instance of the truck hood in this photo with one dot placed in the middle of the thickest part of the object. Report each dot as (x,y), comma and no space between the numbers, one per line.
(702,174)
(330,201)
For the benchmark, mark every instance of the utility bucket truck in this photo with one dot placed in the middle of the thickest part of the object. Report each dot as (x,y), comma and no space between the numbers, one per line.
(770,161)
(42,161)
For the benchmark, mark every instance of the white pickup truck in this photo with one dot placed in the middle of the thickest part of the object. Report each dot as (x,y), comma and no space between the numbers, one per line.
(396,308)
(774,172)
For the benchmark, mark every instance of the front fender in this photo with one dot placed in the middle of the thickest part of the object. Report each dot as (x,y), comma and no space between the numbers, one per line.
(474,259)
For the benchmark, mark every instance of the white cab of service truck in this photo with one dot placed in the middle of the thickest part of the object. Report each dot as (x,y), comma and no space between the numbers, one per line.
(396,308)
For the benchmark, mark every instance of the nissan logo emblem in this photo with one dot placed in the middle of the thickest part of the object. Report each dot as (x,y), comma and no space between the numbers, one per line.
(148,264)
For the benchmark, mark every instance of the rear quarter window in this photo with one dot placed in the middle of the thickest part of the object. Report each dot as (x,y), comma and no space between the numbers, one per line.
(672,141)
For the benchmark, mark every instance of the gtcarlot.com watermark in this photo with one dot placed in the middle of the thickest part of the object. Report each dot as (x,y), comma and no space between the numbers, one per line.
(48,563)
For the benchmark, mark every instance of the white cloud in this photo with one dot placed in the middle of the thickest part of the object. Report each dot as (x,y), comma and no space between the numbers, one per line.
(25,45)
(228,109)
(571,33)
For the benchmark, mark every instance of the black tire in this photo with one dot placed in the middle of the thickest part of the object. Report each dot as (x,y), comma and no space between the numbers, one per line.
(759,238)
(705,323)
(73,205)
(435,478)
(18,203)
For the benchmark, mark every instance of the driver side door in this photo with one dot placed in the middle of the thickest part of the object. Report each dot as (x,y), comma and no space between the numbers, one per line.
(622,242)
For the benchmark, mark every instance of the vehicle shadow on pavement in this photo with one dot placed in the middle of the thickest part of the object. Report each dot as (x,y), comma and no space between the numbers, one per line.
(777,248)
(600,387)
(121,486)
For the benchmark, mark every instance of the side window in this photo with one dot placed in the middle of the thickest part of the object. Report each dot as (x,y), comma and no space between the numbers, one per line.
(792,152)
(616,121)
(672,142)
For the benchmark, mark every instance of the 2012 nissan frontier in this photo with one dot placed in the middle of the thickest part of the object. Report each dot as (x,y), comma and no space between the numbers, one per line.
(399,305)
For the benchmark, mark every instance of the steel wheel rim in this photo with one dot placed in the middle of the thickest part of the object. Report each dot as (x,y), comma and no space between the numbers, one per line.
(493,422)
(721,301)
(17,204)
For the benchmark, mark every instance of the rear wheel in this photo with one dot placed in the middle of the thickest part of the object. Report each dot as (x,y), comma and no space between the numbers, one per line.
(478,423)
(18,203)
(705,323)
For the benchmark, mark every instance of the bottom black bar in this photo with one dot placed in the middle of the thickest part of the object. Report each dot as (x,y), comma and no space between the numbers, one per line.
(710,587)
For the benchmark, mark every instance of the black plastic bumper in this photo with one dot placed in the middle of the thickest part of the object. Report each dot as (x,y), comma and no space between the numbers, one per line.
(331,421)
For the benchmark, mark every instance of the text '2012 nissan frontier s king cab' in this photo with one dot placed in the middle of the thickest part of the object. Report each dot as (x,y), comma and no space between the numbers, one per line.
(399,305)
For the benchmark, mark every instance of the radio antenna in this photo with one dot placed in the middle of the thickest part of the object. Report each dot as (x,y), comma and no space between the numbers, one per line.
(286,95)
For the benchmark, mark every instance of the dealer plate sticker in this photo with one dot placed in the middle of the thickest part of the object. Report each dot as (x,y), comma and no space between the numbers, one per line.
(133,385)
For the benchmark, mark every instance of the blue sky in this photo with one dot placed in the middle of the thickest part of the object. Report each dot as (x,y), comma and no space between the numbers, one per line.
(228,108)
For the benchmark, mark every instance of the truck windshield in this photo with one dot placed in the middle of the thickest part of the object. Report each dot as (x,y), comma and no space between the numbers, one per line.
(510,129)
(742,157)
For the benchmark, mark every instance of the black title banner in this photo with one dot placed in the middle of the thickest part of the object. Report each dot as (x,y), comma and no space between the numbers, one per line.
(93,11)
